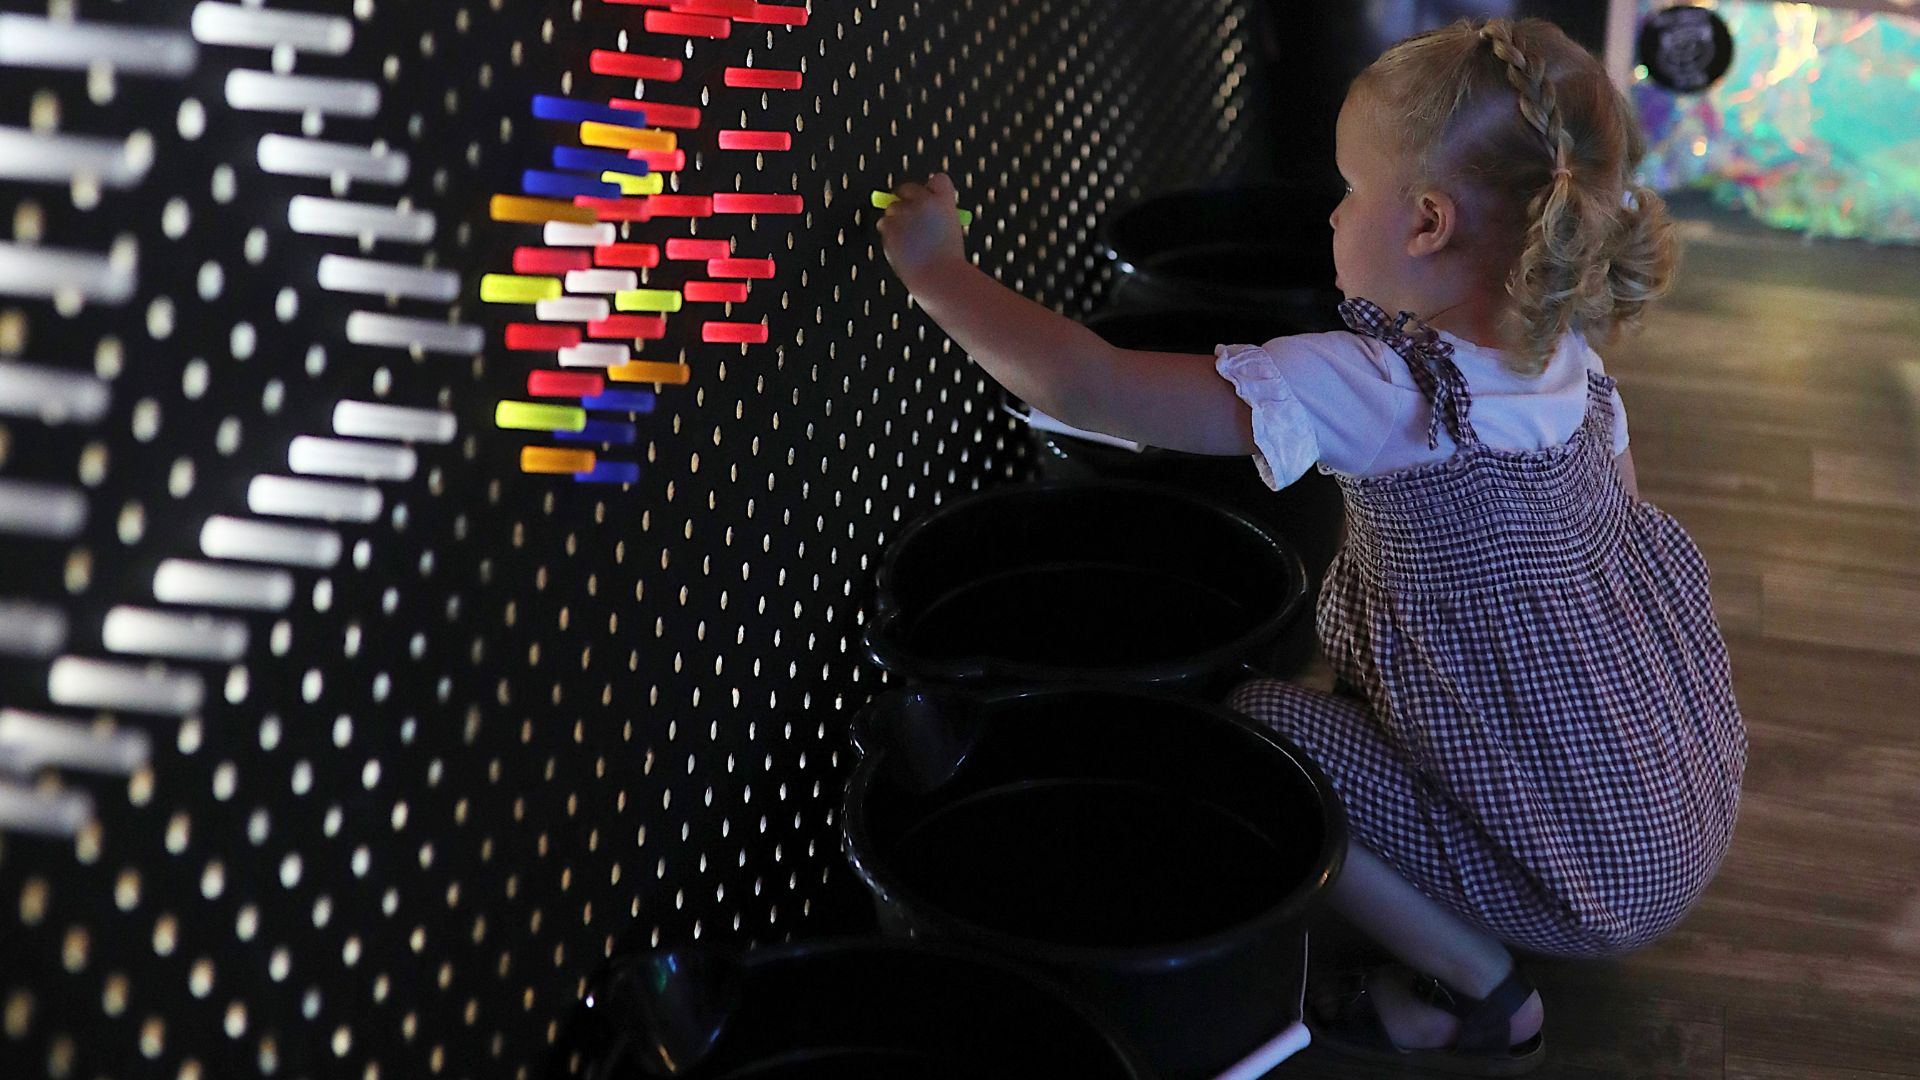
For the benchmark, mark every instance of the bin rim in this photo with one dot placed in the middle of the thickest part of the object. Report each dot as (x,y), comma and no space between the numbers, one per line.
(752,959)
(884,635)
(1110,244)
(1098,1023)
(1323,870)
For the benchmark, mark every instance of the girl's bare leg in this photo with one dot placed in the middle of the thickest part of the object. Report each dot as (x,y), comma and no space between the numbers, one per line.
(1372,896)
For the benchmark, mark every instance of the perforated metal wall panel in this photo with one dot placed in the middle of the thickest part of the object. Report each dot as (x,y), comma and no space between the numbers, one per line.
(337,745)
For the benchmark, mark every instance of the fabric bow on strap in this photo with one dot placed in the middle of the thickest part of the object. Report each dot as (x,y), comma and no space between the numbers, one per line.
(1428,357)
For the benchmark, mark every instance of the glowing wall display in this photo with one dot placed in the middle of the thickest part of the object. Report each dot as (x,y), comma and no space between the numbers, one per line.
(1816,126)
(608,170)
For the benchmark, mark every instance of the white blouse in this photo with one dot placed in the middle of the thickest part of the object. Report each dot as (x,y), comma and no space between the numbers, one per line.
(1348,402)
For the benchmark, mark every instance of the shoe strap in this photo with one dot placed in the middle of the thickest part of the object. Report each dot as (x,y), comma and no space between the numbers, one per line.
(1485,1023)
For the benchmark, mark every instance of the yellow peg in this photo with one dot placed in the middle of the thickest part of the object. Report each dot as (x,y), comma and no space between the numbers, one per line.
(518,289)
(646,300)
(529,416)
(650,184)
(617,137)
(882,200)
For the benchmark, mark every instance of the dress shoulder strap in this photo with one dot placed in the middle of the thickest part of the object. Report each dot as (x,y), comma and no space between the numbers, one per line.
(1428,358)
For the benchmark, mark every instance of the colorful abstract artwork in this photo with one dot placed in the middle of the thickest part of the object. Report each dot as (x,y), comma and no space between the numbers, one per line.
(1816,127)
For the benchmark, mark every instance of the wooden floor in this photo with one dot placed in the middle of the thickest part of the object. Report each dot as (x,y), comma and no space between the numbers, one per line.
(1774,407)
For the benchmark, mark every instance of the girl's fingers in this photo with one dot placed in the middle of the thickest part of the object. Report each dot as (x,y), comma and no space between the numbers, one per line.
(937,184)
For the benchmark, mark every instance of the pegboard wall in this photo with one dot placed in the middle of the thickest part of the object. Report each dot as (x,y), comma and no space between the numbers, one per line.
(338,743)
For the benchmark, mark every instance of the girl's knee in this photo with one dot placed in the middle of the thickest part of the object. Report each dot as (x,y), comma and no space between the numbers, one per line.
(1258,698)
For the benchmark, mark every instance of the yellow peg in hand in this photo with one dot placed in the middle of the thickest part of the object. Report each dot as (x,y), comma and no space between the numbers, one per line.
(882,200)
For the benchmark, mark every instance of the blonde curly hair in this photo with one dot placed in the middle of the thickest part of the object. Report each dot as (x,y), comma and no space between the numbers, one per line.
(1528,119)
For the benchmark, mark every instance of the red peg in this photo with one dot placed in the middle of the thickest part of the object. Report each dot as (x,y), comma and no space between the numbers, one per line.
(762,78)
(756,140)
(564,384)
(659,114)
(535,260)
(616,209)
(749,333)
(715,292)
(627,255)
(746,268)
(666,22)
(628,326)
(683,248)
(730,8)
(740,203)
(661,160)
(777,14)
(632,65)
(681,205)
(535,337)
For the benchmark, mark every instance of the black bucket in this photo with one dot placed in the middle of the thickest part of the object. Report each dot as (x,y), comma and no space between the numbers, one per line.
(842,1009)
(1103,583)
(1309,512)
(1156,854)
(1264,248)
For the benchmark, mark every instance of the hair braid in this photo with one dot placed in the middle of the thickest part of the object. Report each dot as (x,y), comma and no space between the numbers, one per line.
(1561,268)
(1538,102)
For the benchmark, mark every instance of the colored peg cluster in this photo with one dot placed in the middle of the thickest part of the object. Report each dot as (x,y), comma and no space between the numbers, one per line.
(591,315)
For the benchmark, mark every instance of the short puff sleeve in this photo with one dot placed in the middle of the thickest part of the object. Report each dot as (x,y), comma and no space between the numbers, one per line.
(1283,431)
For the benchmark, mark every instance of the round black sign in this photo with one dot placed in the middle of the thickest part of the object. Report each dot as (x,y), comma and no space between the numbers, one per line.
(1685,48)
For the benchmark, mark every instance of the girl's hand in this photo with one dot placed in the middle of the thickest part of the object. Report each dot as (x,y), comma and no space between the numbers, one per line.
(921,231)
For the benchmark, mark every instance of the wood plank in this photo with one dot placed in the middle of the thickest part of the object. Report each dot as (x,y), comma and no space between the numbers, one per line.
(1842,693)
(1823,606)
(1801,309)
(1746,1068)
(1670,404)
(1639,1036)
(1764,467)
(1825,1029)
(1903,928)
(1736,600)
(1738,531)
(1693,344)
(1888,481)
(1832,767)
(1318,1063)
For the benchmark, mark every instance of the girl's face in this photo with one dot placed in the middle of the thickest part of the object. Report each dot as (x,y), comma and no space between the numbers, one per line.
(1372,225)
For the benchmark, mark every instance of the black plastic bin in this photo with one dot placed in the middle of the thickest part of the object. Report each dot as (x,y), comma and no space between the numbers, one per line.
(1156,854)
(1110,583)
(837,1009)
(1264,248)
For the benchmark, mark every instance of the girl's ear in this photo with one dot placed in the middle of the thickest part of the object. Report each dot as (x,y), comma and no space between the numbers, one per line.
(1435,217)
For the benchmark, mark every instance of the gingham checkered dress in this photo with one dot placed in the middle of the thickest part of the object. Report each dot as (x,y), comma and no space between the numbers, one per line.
(1533,720)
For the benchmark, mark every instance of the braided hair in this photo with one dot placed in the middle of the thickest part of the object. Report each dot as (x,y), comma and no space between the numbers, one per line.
(1528,119)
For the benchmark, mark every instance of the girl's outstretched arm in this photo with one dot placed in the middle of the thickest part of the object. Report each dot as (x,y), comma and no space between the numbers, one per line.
(1067,371)
(1058,366)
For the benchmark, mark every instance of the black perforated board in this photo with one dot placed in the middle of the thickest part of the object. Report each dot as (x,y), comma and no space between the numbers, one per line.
(522,718)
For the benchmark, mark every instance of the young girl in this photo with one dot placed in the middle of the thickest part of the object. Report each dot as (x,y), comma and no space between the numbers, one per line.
(1533,728)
